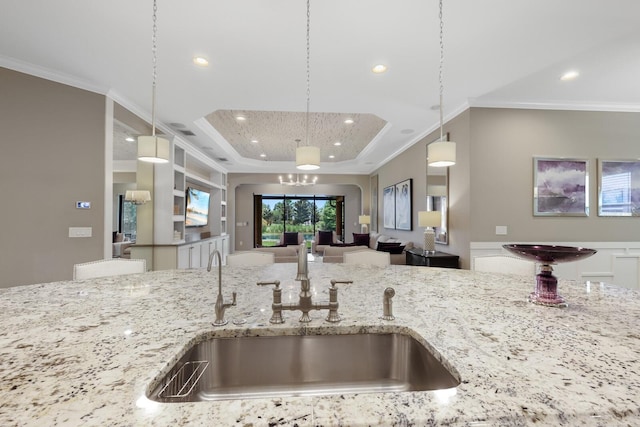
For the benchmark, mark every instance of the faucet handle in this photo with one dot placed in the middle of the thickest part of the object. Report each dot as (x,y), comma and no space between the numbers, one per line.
(334,282)
(233,303)
(275,282)
(276,306)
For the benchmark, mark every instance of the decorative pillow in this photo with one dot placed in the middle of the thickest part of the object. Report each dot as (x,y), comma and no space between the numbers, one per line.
(325,237)
(342,245)
(394,247)
(290,238)
(361,239)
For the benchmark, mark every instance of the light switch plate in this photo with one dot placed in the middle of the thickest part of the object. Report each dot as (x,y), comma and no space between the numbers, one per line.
(501,230)
(80,231)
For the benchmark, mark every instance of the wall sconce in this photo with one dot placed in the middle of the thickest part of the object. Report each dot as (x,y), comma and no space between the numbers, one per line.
(429,220)
(364,221)
(138,197)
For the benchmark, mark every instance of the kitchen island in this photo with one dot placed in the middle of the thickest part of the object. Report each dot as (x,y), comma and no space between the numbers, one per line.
(85,352)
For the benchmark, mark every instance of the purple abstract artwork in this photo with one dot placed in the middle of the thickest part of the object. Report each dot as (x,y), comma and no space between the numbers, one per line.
(561,187)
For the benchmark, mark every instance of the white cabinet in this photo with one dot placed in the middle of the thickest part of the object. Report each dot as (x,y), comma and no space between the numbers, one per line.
(161,227)
(206,249)
(189,255)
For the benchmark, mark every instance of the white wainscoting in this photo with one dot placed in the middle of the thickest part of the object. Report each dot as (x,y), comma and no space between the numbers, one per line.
(616,263)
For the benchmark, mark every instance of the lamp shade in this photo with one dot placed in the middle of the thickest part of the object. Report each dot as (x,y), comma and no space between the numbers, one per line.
(429,218)
(153,149)
(441,154)
(307,157)
(364,219)
(139,197)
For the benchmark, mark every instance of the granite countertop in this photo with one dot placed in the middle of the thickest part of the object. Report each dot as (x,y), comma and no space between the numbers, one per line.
(84,352)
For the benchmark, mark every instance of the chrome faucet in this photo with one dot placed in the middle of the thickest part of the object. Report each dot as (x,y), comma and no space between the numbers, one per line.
(220,305)
(305,303)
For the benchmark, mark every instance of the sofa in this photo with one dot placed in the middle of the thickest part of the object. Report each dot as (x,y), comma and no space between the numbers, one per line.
(323,240)
(121,246)
(377,241)
(281,253)
(333,254)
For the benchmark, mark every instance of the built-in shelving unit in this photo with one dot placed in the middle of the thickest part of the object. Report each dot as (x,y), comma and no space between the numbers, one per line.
(174,245)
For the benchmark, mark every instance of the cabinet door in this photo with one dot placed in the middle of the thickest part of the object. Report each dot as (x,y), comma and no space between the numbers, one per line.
(183,256)
(206,250)
(189,256)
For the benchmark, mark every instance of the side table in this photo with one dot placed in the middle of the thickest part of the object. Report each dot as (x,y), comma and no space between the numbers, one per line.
(437,259)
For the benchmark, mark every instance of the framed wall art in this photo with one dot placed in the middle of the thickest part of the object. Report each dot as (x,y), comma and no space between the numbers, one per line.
(389,206)
(403,205)
(618,187)
(560,187)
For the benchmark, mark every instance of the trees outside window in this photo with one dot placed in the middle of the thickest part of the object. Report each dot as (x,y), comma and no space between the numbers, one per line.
(306,214)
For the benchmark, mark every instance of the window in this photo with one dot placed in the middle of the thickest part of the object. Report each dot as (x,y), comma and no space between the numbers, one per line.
(127,218)
(305,214)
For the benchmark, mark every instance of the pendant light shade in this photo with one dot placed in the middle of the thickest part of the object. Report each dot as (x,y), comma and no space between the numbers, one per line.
(153,149)
(308,157)
(138,197)
(441,154)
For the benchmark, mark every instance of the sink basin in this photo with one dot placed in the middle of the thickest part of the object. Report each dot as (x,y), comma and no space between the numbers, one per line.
(302,365)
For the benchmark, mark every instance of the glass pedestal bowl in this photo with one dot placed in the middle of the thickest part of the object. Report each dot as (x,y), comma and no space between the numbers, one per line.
(546,292)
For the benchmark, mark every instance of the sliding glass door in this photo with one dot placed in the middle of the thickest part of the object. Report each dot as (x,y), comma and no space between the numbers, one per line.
(306,214)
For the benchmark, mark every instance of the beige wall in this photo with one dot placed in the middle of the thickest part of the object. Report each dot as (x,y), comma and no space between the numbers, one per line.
(412,164)
(504,143)
(52,156)
(492,181)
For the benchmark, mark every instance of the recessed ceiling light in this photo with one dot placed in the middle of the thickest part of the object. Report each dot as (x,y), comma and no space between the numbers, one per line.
(569,75)
(241,118)
(337,143)
(379,69)
(201,61)
(255,141)
(348,121)
(331,156)
(263,155)
(407,131)
(129,139)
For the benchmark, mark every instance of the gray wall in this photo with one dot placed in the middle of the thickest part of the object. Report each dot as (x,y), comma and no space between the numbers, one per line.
(504,143)
(53,154)
(412,163)
(492,181)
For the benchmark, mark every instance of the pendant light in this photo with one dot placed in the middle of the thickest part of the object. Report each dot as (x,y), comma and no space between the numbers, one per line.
(152,148)
(441,153)
(308,156)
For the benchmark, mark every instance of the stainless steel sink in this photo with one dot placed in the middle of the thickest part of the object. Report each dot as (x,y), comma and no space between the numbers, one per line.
(302,365)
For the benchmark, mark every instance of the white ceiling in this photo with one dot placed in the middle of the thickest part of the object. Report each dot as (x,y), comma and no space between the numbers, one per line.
(498,53)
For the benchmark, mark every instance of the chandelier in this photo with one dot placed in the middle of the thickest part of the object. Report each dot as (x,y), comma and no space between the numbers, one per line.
(297,183)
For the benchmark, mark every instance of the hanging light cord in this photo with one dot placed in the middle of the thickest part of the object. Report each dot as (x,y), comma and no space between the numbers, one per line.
(440,73)
(154,49)
(308,71)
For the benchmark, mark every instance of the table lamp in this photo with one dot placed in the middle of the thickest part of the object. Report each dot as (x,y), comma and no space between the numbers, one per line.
(364,221)
(429,220)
